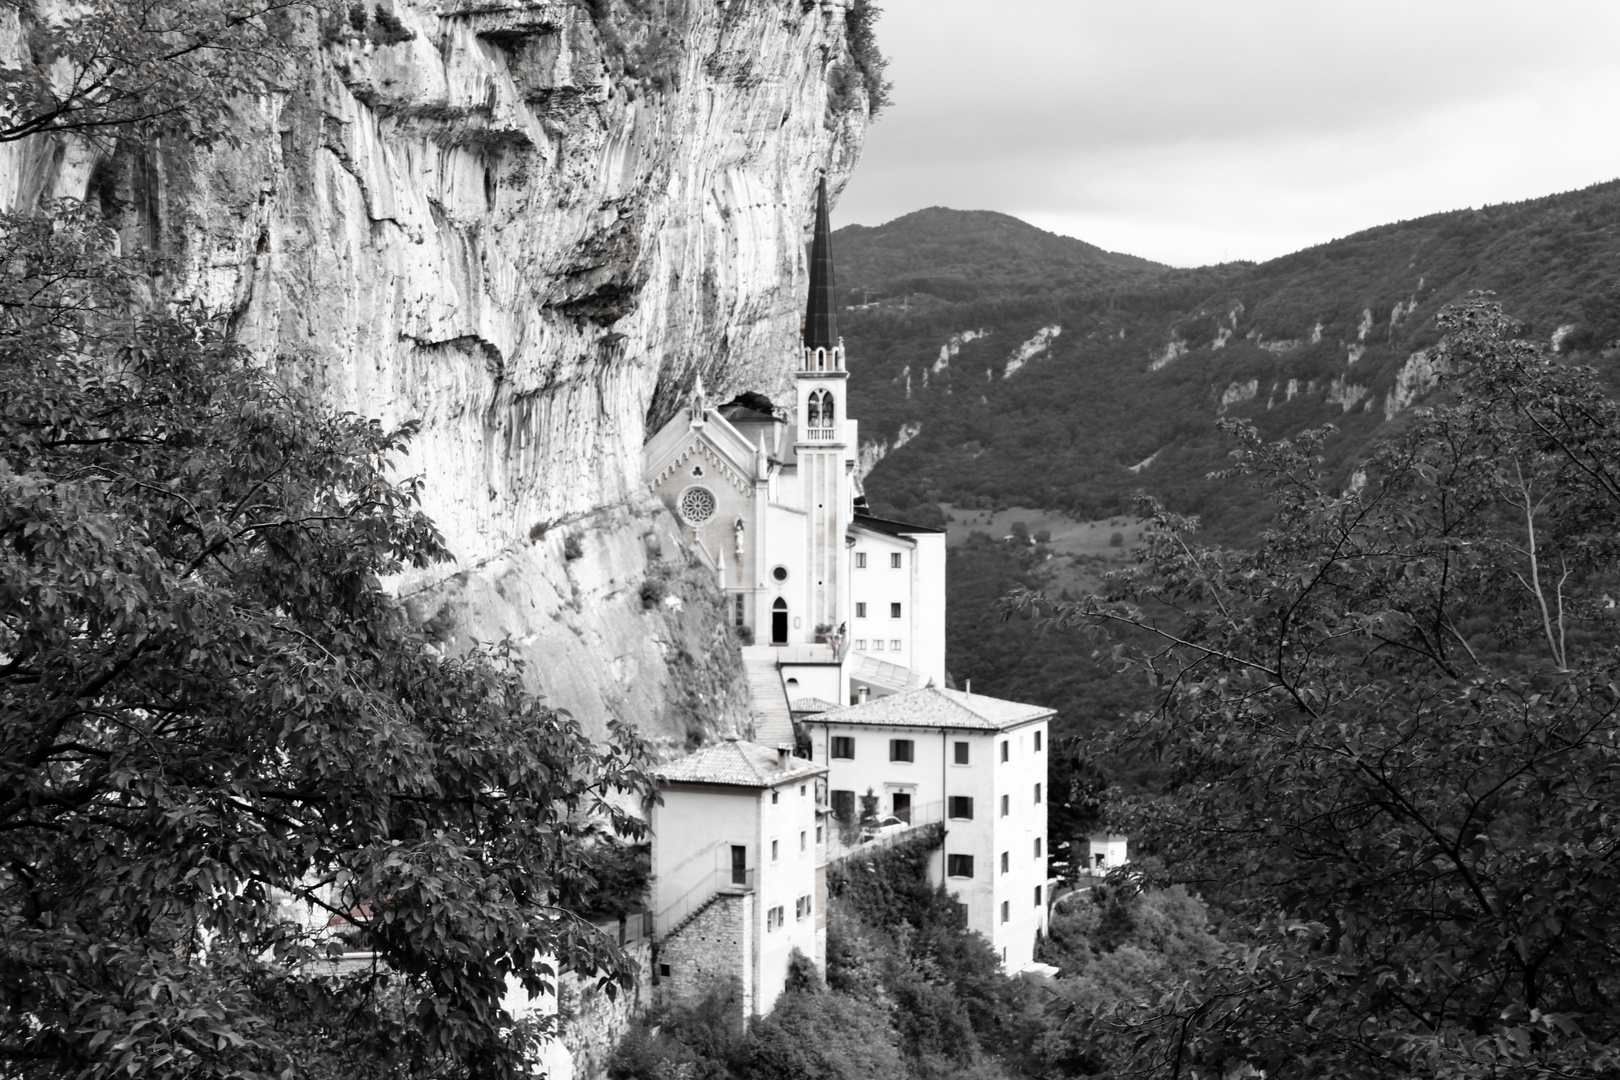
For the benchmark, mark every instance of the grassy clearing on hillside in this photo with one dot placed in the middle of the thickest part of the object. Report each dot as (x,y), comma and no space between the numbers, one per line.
(1080,550)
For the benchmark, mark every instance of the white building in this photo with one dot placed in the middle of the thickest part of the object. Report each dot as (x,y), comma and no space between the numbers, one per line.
(739,880)
(978,764)
(836,600)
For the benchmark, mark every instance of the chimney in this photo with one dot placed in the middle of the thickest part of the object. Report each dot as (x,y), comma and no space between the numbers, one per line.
(967,687)
(783,752)
(861,694)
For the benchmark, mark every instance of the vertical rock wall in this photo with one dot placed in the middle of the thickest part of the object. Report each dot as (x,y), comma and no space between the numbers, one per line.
(526,226)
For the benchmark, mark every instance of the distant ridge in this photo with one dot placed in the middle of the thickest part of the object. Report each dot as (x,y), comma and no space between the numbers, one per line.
(965,254)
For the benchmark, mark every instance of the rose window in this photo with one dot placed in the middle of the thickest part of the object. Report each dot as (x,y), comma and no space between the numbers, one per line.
(697,505)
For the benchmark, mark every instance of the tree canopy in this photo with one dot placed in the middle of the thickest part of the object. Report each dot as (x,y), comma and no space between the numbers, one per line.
(225,753)
(1390,731)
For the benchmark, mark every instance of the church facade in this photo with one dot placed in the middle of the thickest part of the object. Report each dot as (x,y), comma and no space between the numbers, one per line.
(768,496)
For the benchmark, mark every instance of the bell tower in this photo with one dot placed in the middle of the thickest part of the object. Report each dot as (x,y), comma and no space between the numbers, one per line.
(826,458)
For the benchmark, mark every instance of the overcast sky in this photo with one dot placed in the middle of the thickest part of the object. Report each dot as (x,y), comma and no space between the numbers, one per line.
(1194,131)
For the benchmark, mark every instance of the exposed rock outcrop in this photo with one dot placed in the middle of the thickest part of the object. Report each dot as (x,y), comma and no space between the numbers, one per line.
(528,227)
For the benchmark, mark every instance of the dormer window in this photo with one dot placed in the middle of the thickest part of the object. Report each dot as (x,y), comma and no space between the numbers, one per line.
(819,415)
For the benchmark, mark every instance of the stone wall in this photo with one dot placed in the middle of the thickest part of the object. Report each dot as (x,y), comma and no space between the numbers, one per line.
(712,949)
(593,1023)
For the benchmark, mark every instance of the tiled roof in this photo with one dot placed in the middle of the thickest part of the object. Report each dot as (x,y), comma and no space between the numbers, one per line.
(934,707)
(740,764)
(890,528)
(810,704)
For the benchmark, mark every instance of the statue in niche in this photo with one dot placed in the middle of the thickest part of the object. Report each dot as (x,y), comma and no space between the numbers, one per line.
(739,528)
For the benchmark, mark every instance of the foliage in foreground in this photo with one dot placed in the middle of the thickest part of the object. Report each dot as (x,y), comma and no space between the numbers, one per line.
(1391,734)
(219,735)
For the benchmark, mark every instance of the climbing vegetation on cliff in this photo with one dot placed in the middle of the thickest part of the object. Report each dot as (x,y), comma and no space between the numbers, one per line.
(226,756)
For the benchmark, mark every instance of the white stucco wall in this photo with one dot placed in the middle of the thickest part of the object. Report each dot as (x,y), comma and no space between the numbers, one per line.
(931,779)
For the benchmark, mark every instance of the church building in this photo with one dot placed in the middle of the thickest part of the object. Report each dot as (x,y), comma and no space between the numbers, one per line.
(840,603)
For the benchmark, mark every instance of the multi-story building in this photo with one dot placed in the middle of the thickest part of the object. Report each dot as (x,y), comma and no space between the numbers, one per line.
(739,880)
(837,600)
(976,763)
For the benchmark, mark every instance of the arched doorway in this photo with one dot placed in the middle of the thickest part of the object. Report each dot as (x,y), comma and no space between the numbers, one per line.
(779,622)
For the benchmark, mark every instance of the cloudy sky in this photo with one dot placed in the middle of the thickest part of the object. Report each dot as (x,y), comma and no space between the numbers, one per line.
(1193,131)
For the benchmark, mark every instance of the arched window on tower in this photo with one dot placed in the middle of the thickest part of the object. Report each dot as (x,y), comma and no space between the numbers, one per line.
(819,415)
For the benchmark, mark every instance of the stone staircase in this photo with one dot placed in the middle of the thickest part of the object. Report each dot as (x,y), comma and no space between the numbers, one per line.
(767,697)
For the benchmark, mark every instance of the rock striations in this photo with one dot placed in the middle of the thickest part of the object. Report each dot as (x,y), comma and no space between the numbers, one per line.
(528,227)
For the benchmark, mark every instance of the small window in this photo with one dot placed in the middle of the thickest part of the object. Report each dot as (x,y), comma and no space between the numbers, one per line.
(774,846)
(1004,804)
(961,749)
(959,865)
(962,910)
(894,611)
(1006,861)
(843,804)
(1037,847)
(802,789)
(860,609)
(804,840)
(877,646)
(902,750)
(1037,896)
(894,646)
(843,746)
(1003,749)
(860,644)
(1037,793)
(780,573)
(894,560)
(739,616)
(776,797)
(860,560)
(961,807)
(1037,742)
(1006,914)
(818,834)
(663,971)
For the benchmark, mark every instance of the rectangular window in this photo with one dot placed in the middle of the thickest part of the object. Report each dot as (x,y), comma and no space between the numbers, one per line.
(860,609)
(894,645)
(962,807)
(860,644)
(775,918)
(776,797)
(1037,742)
(818,834)
(1004,801)
(877,646)
(1006,912)
(1006,861)
(739,616)
(961,753)
(801,908)
(1037,793)
(894,560)
(962,910)
(860,560)
(773,850)
(959,865)
(1037,847)
(843,746)
(894,611)
(843,804)
(902,750)
(1037,896)
(1003,749)
(804,840)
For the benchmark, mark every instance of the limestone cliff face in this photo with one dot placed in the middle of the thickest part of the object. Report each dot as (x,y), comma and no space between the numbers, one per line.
(528,227)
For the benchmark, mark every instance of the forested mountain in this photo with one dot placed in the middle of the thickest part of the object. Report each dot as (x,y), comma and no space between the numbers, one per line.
(997,364)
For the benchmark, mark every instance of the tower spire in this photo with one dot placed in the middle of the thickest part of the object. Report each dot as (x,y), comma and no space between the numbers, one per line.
(821,312)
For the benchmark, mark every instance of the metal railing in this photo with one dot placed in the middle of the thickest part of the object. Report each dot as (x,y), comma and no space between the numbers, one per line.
(844,841)
(689,903)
